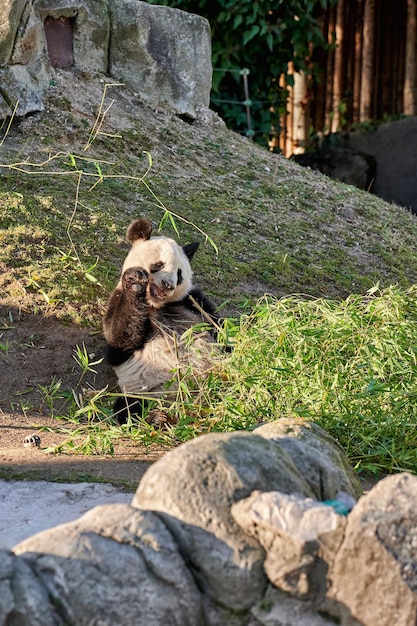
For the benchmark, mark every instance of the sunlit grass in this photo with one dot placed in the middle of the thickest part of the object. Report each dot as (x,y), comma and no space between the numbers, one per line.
(350,366)
(347,364)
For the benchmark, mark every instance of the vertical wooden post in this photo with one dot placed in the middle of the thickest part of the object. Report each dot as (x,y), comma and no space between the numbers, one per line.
(300,117)
(410,82)
(349,32)
(317,103)
(367,61)
(338,67)
(283,118)
(358,62)
(289,144)
(329,86)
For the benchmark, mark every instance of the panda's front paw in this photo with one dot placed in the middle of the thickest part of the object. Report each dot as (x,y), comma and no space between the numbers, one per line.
(135,279)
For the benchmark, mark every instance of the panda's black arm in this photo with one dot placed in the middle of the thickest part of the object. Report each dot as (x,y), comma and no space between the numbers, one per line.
(126,325)
(207,306)
(201,299)
(115,356)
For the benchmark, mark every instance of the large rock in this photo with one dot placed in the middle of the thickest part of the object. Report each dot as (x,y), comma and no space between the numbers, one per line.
(23,598)
(162,53)
(375,570)
(24,86)
(29,43)
(223,532)
(394,149)
(11,12)
(91,29)
(114,565)
(342,163)
(300,536)
(193,488)
(317,456)
(24,67)
(280,609)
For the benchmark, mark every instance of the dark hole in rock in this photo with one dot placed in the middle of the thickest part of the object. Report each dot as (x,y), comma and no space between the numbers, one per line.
(59,35)
(186,118)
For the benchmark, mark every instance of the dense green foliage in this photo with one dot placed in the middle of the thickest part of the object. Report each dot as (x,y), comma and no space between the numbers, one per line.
(261,37)
(350,366)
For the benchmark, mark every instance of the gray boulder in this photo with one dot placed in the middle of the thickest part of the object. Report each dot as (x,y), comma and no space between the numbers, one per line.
(278,608)
(317,456)
(90,29)
(375,570)
(300,536)
(114,565)
(24,67)
(23,598)
(161,53)
(394,149)
(224,531)
(11,12)
(24,86)
(193,488)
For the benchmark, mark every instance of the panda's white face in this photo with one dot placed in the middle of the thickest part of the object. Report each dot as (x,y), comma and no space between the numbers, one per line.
(170,273)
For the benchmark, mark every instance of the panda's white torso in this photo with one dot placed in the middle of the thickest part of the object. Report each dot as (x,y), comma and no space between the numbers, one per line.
(167,356)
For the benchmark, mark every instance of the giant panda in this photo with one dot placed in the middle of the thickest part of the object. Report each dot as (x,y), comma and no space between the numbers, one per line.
(152,305)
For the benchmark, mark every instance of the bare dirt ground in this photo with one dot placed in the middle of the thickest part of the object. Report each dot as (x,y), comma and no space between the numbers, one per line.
(39,349)
(35,351)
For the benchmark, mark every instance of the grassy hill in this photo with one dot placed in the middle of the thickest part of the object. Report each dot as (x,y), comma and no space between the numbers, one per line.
(65,205)
(74,176)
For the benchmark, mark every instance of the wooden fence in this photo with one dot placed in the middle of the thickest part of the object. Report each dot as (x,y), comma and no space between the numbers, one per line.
(370,73)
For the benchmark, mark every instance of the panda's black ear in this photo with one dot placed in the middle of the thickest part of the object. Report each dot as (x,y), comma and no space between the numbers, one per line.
(190,249)
(139,229)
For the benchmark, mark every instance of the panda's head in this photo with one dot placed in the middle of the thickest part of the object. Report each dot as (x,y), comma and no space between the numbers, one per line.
(167,263)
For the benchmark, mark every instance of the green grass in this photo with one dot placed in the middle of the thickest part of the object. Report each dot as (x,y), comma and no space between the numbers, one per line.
(347,362)
(350,366)
(64,210)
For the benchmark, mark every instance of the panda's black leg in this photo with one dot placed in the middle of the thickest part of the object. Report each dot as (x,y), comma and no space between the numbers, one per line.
(124,407)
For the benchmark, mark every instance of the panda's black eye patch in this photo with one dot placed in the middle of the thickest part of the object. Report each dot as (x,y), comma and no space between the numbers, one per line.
(155,267)
(179,277)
